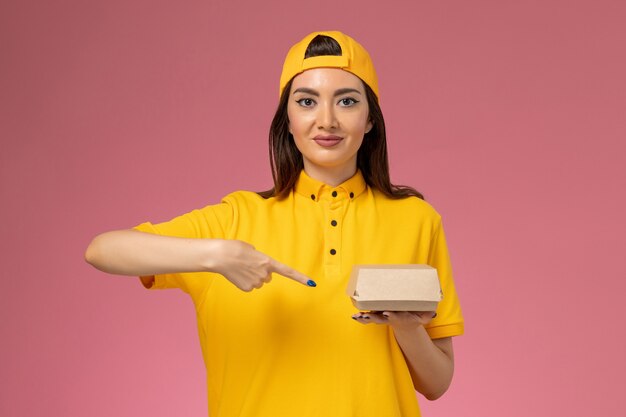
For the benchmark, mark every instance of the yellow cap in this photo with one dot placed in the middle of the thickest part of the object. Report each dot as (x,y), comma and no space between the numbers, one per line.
(354,58)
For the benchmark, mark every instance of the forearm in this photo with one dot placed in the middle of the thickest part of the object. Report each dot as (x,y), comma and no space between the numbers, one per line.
(130,252)
(431,363)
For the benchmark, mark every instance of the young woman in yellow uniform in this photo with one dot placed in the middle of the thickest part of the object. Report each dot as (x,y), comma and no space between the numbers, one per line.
(267,271)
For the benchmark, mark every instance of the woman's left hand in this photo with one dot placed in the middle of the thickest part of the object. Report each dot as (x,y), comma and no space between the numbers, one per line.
(396,319)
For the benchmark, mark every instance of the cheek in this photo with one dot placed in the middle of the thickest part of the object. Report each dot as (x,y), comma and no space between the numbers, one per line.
(298,124)
(296,130)
(366,120)
(361,125)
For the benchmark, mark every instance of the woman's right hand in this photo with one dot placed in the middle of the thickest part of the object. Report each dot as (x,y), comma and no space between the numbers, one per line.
(134,253)
(247,268)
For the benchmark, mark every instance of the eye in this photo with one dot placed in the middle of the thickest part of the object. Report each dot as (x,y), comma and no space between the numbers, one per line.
(347,102)
(305,102)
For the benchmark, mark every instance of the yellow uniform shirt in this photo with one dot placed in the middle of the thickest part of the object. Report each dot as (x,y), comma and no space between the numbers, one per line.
(290,350)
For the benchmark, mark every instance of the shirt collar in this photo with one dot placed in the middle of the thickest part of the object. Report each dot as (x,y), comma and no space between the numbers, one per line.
(316,190)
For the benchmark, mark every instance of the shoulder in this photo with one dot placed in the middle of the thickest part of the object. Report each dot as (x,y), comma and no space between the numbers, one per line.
(406,207)
(243,197)
(248,201)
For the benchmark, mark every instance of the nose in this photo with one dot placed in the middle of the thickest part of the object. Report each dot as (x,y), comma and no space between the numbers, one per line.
(326,117)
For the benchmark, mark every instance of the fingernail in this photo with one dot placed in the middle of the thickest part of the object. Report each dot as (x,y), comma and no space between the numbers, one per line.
(366,317)
(311,283)
(385,315)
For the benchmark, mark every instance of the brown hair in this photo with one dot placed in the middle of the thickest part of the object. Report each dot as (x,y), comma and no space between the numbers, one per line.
(286,160)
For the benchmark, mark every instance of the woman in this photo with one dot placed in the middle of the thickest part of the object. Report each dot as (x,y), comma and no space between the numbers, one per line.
(290,348)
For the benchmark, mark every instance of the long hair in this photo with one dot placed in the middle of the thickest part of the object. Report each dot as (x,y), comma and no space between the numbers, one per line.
(286,160)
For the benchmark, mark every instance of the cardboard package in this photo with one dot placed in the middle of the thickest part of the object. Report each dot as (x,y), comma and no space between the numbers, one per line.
(408,287)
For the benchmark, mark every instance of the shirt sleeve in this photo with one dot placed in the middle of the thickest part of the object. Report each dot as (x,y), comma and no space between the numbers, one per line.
(210,222)
(449,320)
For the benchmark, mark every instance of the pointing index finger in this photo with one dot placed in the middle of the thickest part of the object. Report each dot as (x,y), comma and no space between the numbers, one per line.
(291,273)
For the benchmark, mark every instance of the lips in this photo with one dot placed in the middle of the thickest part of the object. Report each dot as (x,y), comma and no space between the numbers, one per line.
(327,140)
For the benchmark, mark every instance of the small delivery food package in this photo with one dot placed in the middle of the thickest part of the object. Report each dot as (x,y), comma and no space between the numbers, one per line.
(409,287)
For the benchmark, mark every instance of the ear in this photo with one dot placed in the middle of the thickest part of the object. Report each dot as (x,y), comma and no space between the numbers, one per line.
(369,126)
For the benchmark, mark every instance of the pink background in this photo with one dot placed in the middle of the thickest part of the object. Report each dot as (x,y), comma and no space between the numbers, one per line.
(508,115)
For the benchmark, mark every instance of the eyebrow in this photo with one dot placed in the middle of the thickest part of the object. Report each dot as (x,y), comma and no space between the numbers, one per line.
(313,92)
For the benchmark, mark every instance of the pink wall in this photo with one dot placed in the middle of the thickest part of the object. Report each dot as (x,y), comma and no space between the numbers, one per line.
(508,115)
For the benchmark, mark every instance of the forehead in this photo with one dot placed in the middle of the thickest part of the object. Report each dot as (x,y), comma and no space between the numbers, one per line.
(327,78)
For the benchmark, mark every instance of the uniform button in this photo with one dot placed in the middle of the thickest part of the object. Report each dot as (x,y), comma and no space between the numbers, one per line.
(333,223)
(334,193)
(332,251)
(351,195)
(313,197)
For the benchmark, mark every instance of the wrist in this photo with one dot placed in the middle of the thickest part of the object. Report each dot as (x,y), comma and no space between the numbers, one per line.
(406,328)
(211,249)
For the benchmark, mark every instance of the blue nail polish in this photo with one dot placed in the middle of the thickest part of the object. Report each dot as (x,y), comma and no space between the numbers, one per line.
(311,283)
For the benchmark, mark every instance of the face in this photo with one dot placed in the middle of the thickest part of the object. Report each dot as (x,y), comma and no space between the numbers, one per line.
(328,117)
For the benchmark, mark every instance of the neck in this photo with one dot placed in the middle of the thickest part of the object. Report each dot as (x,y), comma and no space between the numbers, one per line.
(330,176)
